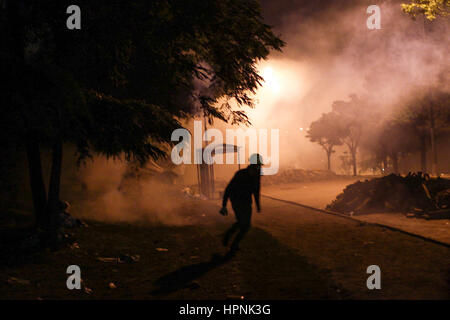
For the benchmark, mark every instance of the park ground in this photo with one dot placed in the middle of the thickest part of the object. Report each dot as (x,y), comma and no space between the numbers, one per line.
(290,253)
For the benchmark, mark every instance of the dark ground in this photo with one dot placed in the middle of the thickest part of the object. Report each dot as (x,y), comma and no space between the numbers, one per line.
(291,253)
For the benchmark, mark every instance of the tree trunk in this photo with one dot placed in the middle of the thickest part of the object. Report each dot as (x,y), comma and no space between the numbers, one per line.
(394,159)
(329,159)
(423,153)
(353,152)
(433,144)
(36,180)
(53,190)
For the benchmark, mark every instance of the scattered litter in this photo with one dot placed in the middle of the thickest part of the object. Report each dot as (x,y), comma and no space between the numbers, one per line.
(108,259)
(126,258)
(14,280)
(438,214)
(112,285)
(123,258)
(74,245)
(235,297)
(162,249)
(88,290)
(188,193)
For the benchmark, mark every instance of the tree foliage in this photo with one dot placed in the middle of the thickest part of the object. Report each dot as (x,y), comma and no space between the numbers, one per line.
(327,132)
(120,83)
(428,8)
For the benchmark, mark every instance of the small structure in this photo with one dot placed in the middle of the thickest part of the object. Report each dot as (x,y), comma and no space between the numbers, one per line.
(205,171)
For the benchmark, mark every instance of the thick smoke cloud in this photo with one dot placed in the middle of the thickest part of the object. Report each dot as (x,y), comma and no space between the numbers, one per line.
(111,197)
(331,54)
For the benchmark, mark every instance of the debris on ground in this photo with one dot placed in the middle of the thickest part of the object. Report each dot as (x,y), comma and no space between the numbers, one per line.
(111,285)
(122,258)
(103,259)
(190,194)
(416,194)
(435,215)
(291,175)
(126,258)
(162,249)
(88,290)
(65,220)
(14,280)
(74,245)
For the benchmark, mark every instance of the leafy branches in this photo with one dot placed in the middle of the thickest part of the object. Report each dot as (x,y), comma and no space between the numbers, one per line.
(428,8)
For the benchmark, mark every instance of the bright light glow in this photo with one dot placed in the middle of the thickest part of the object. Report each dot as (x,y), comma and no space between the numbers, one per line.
(271,80)
(283,89)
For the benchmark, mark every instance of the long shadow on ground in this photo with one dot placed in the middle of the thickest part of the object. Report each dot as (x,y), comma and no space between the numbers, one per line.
(267,269)
(184,277)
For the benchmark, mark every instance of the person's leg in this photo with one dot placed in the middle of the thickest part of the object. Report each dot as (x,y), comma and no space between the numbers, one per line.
(243,229)
(235,226)
(229,233)
(243,215)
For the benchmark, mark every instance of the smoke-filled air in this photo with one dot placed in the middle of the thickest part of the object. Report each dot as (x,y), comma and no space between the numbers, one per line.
(244,151)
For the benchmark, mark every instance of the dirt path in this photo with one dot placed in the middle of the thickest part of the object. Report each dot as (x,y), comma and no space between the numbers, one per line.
(315,194)
(290,253)
(411,268)
(319,194)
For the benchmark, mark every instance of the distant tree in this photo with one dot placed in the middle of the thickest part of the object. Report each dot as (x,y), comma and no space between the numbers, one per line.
(327,133)
(395,140)
(346,162)
(428,9)
(351,118)
(429,116)
(117,85)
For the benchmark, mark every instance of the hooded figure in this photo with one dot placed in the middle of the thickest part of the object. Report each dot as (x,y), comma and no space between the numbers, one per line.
(244,184)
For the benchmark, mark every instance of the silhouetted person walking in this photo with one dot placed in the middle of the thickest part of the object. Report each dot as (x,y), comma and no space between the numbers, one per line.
(245,183)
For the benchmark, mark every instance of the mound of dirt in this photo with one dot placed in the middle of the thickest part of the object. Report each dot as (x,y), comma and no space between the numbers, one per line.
(394,193)
(299,175)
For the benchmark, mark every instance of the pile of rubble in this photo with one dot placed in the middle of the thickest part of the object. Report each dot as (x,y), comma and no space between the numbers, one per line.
(298,175)
(415,194)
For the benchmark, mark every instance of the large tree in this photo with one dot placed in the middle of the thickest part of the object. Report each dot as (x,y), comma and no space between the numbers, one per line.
(327,132)
(429,10)
(117,85)
(428,114)
(352,116)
